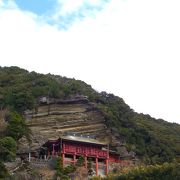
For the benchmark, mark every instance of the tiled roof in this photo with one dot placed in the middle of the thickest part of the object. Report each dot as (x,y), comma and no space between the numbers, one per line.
(80,139)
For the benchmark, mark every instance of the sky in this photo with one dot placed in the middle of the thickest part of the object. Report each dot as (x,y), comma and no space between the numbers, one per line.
(130,48)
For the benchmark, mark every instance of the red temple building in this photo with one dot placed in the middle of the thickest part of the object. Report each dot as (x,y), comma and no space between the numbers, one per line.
(70,148)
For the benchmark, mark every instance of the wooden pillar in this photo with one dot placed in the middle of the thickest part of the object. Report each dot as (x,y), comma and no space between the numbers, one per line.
(74,159)
(107,161)
(64,148)
(96,166)
(85,161)
(107,166)
(63,157)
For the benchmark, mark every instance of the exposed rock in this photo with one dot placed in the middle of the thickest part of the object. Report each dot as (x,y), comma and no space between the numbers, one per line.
(50,121)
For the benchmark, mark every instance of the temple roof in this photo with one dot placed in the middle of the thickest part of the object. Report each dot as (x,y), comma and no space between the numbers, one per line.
(83,140)
(79,139)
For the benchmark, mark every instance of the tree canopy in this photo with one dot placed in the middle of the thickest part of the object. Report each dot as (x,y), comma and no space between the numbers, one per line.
(7,149)
(153,140)
(17,127)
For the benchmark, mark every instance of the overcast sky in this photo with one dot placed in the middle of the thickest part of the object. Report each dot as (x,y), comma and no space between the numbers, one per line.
(130,48)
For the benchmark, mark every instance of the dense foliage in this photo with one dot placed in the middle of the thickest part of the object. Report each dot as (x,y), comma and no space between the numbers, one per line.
(7,149)
(3,171)
(63,172)
(7,153)
(167,171)
(17,127)
(153,141)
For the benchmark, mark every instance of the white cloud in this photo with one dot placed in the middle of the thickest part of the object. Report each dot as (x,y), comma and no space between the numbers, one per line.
(7,4)
(131,49)
(1,3)
(69,5)
(69,12)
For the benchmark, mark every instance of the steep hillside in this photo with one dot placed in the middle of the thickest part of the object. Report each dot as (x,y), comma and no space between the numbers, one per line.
(102,115)
(52,121)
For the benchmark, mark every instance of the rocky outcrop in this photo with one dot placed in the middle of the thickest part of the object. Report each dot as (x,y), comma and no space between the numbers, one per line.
(50,121)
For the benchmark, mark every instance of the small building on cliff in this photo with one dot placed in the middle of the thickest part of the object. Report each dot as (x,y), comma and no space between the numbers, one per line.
(71,148)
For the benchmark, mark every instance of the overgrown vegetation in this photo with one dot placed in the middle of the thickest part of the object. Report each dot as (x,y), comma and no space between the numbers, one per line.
(7,149)
(63,172)
(80,162)
(3,171)
(168,171)
(153,141)
(17,127)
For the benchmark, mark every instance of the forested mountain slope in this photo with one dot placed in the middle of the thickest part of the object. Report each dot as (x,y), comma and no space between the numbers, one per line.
(152,140)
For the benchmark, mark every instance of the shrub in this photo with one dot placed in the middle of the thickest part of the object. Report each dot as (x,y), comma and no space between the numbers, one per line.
(17,127)
(168,171)
(3,171)
(7,149)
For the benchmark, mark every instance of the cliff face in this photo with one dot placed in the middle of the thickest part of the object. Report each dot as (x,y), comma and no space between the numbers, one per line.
(56,119)
(153,140)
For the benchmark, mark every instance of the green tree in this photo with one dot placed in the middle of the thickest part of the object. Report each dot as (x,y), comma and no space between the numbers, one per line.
(167,171)
(80,161)
(20,101)
(63,172)
(8,149)
(17,127)
(3,171)
(69,169)
(59,167)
